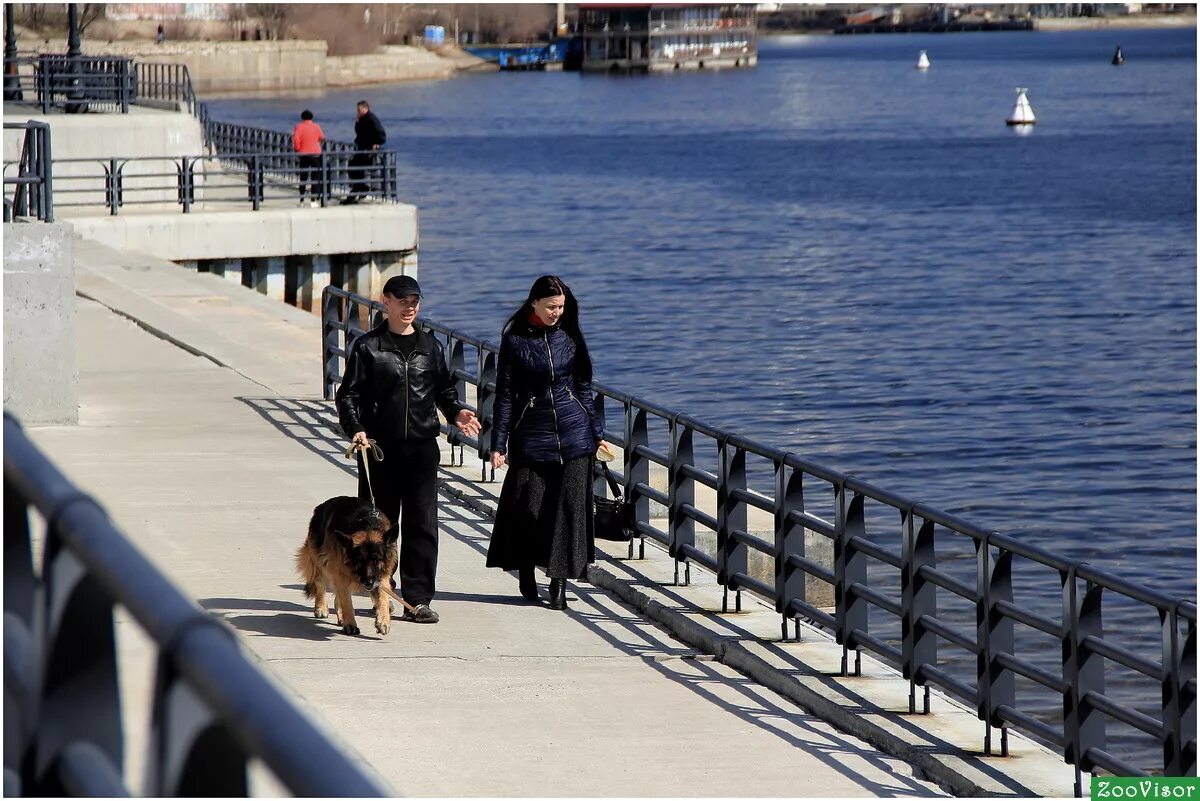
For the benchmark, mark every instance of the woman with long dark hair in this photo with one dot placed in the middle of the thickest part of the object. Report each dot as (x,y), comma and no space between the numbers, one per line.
(544,426)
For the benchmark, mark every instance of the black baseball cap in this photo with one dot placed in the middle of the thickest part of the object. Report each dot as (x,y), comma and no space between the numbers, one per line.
(400,286)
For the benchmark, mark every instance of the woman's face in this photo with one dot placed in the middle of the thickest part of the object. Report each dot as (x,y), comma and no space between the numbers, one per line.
(548,310)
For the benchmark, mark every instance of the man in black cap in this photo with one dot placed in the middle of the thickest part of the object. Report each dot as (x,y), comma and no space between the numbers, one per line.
(395,381)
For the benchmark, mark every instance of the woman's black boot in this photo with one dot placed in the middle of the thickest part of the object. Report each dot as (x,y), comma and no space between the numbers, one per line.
(558,593)
(529,589)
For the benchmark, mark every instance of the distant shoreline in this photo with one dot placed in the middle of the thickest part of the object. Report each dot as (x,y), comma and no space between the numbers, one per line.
(1124,22)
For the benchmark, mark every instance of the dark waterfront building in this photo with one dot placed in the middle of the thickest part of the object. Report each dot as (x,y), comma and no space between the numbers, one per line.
(645,38)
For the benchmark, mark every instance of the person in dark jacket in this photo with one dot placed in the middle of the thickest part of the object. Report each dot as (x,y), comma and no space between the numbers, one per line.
(545,428)
(396,379)
(369,136)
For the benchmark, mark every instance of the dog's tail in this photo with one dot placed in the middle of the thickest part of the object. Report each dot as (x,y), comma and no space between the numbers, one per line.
(308,569)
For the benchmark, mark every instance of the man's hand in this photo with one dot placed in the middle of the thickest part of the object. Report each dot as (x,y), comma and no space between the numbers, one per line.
(359,440)
(467,422)
(498,460)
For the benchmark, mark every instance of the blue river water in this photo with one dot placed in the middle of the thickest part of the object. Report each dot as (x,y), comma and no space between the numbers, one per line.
(842,256)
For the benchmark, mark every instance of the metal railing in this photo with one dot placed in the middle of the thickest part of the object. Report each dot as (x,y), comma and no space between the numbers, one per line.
(163,85)
(96,83)
(32,182)
(213,708)
(274,149)
(1078,590)
(193,183)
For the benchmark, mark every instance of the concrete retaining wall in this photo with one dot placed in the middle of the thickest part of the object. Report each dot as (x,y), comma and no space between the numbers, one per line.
(394,63)
(40,374)
(222,66)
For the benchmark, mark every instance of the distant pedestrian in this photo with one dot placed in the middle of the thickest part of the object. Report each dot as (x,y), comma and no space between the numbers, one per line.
(307,138)
(161,36)
(546,429)
(369,136)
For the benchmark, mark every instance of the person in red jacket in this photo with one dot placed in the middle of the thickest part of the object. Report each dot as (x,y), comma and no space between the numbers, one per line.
(307,138)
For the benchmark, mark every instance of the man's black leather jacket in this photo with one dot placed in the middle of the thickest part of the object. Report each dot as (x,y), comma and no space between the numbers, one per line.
(391,398)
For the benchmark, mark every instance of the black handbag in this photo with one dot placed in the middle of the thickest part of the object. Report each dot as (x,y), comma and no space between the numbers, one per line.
(615,518)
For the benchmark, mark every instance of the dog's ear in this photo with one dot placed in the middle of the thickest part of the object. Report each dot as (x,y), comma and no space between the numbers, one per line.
(342,537)
(391,535)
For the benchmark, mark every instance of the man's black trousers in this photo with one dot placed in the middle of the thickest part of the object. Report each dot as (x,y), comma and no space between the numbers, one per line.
(363,174)
(405,485)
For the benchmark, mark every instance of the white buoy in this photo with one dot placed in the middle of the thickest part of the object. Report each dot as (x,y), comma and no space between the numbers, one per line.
(923,61)
(1022,113)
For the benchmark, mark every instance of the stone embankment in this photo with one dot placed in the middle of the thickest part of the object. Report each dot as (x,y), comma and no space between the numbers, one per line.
(230,67)
(1117,23)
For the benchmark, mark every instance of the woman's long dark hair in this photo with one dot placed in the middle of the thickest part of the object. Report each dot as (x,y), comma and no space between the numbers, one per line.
(547,287)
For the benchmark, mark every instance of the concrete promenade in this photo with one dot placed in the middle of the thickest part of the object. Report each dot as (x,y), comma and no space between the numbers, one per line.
(202,432)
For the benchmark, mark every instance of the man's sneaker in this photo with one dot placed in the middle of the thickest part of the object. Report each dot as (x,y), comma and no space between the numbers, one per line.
(422,614)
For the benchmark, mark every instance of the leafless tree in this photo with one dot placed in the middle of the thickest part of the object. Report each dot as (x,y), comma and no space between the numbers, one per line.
(276,18)
(89,13)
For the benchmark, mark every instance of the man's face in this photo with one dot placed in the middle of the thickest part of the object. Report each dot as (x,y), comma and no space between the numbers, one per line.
(360,110)
(402,311)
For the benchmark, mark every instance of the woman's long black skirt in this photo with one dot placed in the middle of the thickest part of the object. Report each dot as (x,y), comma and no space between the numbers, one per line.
(544,518)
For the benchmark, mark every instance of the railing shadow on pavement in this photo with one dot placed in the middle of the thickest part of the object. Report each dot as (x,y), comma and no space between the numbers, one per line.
(213,709)
(762,708)
(313,424)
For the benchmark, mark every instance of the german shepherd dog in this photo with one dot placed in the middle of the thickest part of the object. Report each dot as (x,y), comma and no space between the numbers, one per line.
(351,545)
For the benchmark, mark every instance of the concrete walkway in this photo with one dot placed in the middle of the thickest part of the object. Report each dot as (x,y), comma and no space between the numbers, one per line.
(212,464)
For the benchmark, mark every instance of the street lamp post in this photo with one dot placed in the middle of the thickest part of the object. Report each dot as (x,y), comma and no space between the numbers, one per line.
(73,48)
(75,93)
(12,82)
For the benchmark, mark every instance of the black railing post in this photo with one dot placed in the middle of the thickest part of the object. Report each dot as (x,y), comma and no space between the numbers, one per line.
(997,686)
(850,568)
(46,172)
(255,180)
(187,183)
(127,84)
(681,491)
(732,554)
(44,86)
(456,361)
(1172,688)
(486,396)
(192,753)
(1083,673)
(918,599)
(325,178)
(637,469)
(790,582)
(110,186)
(19,581)
(80,662)
(330,321)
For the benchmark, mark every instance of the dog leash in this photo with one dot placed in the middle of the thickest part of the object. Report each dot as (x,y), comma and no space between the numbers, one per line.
(372,449)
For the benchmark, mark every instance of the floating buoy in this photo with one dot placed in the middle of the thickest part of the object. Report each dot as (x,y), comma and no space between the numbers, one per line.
(1022,113)
(923,61)
(1118,57)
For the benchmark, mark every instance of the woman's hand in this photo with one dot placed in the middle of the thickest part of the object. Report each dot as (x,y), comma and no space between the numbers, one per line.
(359,440)
(498,460)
